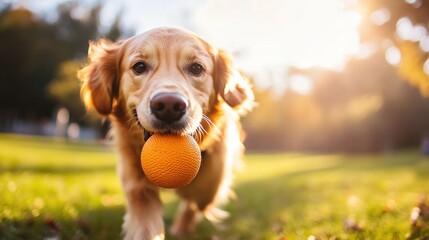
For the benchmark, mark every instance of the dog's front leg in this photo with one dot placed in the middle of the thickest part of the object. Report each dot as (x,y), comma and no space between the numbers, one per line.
(143,220)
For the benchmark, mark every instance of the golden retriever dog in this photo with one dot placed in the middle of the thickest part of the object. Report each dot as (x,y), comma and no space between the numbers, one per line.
(168,80)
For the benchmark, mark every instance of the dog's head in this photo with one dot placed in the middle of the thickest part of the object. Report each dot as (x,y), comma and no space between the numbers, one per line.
(167,79)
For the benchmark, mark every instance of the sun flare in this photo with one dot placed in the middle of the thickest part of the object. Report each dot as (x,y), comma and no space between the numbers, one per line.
(277,33)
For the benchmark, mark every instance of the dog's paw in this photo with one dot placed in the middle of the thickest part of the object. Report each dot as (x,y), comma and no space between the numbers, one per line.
(134,229)
(143,234)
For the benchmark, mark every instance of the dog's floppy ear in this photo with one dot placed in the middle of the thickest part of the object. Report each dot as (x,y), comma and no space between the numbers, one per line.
(100,77)
(232,86)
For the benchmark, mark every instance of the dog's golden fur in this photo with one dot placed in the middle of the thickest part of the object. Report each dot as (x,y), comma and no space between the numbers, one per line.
(216,99)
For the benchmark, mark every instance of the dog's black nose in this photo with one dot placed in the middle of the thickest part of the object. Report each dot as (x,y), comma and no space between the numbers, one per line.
(168,107)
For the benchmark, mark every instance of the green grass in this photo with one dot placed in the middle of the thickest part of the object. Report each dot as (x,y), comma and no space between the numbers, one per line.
(50,187)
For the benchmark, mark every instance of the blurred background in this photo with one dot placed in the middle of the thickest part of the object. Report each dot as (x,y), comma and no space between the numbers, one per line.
(333,75)
(334,146)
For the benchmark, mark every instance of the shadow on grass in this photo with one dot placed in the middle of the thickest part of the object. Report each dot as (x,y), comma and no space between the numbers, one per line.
(100,223)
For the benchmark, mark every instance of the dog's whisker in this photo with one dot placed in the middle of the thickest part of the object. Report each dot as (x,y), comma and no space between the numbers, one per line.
(208,120)
(210,123)
(201,132)
(135,124)
(196,134)
(133,117)
(129,122)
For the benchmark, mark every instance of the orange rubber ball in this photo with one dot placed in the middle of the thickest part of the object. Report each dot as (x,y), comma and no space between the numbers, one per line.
(170,161)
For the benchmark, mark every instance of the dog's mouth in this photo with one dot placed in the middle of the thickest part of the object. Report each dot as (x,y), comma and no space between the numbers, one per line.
(147,134)
(176,127)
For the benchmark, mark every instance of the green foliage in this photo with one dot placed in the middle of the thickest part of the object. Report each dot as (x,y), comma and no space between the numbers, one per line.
(34,49)
(27,61)
(65,88)
(52,187)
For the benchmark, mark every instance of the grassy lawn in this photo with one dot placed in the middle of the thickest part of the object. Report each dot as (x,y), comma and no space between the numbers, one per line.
(51,187)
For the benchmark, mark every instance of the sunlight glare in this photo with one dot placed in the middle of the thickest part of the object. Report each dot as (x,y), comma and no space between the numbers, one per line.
(380,16)
(407,31)
(424,44)
(366,50)
(426,67)
(414,3)
(300,84)
(393,55)
(277,33)
(411,1)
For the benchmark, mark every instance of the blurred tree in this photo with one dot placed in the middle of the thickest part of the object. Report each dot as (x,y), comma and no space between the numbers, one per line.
(377,110)
(263,131)
(367,107)
(401,24)
(65,88)
(27,63)
(73,33)
(115,30)
(33,51)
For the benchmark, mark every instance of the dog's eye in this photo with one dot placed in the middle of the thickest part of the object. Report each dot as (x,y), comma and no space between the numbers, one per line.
(196,69)
(139,68)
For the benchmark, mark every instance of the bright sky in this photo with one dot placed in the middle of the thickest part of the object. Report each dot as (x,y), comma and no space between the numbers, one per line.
(266,37)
